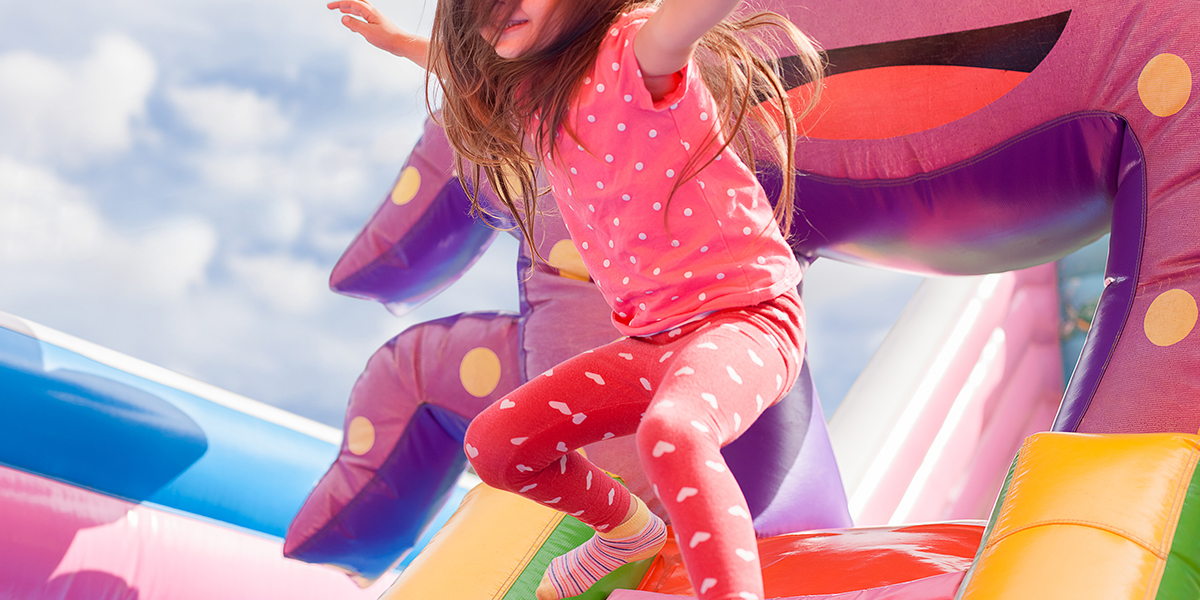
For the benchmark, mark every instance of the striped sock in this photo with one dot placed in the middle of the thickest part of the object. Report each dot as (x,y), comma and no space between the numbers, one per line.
(640,536)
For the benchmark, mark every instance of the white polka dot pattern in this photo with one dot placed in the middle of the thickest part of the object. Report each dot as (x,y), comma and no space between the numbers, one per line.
(662,246)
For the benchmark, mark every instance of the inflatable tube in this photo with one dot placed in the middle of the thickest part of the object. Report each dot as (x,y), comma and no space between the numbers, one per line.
(506,541)
(841,560)
(403,450)
(414,252)
(935,587)
(120,479)
(103,421)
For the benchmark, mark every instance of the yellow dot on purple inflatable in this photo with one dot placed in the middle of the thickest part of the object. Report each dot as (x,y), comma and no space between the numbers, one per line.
(565,257)
(407,186)
(1171,317)
(360,436)
(479,371)
(1165,85)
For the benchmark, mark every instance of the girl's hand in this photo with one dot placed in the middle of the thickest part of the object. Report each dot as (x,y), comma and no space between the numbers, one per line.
(380,32)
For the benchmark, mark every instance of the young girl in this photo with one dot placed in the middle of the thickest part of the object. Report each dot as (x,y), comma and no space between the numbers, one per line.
(632,109)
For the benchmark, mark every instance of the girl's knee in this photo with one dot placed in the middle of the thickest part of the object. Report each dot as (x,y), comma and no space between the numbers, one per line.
(489,458)
(665,431)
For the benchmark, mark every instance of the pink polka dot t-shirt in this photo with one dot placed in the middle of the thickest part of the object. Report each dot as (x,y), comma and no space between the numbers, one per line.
(659,263)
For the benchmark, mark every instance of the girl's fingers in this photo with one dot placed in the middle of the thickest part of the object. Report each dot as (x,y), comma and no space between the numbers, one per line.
(354,24)
(357,8)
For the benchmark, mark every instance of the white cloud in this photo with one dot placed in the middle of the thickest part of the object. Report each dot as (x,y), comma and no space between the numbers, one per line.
(168,260)
(74,111)
(373,71)
(323,179)
(220,274)
(284,221)
(287,284)
(59,243)
(43,218)
(230,117)
(246,173)
(834,283)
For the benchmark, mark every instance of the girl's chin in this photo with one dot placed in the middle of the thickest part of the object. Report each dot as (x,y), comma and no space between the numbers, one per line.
(508,49)
(512,40)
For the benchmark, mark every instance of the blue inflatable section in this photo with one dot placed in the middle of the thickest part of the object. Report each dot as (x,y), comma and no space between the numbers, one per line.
(74,419)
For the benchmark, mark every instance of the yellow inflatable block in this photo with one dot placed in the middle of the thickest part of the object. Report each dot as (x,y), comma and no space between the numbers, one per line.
(480,552)
(1088,517)
(496,546)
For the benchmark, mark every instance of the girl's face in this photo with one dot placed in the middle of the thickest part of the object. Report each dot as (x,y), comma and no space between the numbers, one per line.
(525,29)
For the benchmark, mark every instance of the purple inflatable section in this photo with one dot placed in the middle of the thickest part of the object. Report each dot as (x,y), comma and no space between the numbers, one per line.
(1028,201)
(1131,60)
(1121,275)
(422,237)
(403,447)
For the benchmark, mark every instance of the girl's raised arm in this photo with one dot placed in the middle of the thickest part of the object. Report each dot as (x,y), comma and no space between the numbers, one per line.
(666,42)
(380,32)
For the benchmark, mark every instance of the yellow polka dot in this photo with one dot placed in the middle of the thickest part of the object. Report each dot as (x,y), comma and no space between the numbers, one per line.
(1170,317)
(565,257)
(1165,84)
(361,436)
(406,188)
(479,372)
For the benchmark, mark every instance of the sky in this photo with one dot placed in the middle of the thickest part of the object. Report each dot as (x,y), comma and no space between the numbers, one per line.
(177,180)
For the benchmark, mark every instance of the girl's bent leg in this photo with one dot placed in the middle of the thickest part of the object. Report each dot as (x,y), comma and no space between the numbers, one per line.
(717,385)
(708,382)
(526,442)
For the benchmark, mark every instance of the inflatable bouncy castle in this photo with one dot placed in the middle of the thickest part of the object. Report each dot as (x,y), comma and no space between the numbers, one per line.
(976,143)
(969,140)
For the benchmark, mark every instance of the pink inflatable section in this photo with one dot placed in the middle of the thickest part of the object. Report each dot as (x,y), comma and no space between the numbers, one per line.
(971,368)
(58,541)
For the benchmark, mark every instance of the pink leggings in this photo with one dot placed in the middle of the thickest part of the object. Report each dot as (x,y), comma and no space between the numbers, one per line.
(685,393)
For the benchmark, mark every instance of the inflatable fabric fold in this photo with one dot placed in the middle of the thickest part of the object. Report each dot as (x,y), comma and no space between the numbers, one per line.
(1095,517)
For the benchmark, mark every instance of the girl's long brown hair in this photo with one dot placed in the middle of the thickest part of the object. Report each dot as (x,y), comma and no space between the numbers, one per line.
(488,101)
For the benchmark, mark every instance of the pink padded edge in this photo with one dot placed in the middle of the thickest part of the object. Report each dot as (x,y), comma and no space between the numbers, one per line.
(63,542)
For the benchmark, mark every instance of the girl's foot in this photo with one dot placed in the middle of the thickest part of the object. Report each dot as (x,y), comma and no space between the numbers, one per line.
(639,536)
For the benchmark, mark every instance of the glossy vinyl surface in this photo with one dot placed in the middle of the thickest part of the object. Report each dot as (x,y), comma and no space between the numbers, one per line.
(73,419)
(827,562)
(975,216)
(1089,516)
